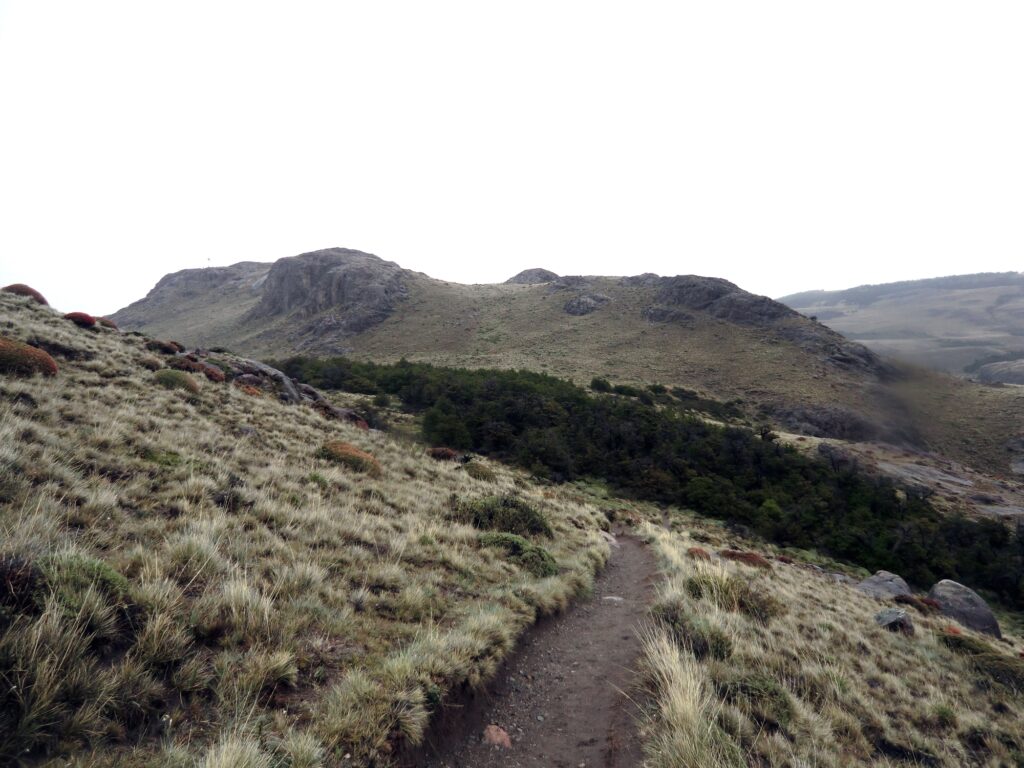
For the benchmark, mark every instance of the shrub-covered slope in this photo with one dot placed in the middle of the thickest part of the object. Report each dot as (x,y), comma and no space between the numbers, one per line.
(190,576)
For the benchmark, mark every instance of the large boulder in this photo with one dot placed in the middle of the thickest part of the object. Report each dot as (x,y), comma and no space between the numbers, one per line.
(884,585)
(966,606)
(895,620)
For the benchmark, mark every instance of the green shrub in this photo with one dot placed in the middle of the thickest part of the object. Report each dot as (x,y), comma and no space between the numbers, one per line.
(171,379)
(965,644)
(503,513)
(695,633)
(600,385)
(1005,670)
(381,400)
(732,593)
(527,555)
(760,696)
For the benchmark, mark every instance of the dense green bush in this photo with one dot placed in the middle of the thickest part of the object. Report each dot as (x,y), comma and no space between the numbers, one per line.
(502,513)
(661,453)
(527,555)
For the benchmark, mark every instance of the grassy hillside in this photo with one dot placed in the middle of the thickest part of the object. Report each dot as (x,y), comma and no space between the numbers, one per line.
(945,323)
(186,580)
(783,665)
(195,574)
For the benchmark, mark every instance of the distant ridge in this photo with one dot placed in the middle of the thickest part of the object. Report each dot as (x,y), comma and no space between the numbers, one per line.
(955,324)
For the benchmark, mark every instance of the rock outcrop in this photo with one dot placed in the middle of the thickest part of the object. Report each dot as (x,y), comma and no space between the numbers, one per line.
(532,277)
(354,290)
(895,620)
(884,585)
(585,303)
(966,606)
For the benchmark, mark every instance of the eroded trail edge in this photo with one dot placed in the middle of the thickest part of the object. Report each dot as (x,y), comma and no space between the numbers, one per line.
(563,695)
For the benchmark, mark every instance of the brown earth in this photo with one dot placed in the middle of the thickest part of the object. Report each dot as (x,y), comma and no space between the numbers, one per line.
(564,696)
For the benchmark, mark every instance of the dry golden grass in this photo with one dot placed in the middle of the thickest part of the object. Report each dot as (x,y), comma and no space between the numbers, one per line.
(818,684)
(217,594)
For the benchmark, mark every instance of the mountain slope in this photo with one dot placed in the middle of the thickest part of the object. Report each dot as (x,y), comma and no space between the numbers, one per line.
(946,323)
(695,332)
(686,330)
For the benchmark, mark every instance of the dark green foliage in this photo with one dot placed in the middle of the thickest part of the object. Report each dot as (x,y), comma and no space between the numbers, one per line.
(1003,669)
(381,400)
(442,425)
(733,593)
(560,431)
(760,696)
(21,587)
(527,555)
(502,513)
(965,644)
(600,385)
(695,633)
(69,575)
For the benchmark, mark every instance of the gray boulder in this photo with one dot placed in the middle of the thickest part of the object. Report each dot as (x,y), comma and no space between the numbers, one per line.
(884,585)
(895,620)
(963,604)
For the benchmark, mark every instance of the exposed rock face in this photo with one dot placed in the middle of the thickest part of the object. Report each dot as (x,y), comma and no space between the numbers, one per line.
(646,280)
(721,299)
(679,295)
(585,303)
(359,289)
(532,277)
(178,287)
(884,585)
(963,604)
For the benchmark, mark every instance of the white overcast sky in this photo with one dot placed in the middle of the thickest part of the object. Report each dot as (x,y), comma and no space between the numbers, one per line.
(782,145)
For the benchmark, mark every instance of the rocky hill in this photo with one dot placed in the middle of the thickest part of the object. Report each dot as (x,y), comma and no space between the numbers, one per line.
(700,333)
(957,324)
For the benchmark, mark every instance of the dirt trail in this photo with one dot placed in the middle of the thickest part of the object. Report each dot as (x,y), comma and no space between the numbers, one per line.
(562,696)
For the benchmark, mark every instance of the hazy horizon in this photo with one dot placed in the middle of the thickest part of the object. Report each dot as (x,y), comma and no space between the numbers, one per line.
(784,147)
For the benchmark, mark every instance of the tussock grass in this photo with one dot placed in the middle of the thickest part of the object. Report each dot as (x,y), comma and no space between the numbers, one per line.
(734,683)
(205,591)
